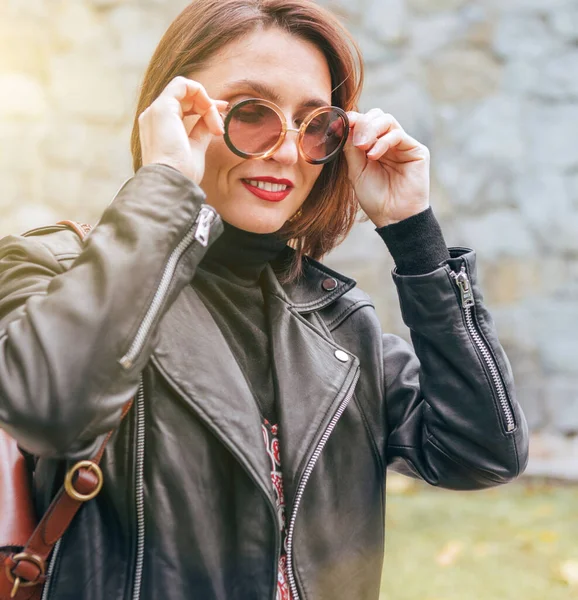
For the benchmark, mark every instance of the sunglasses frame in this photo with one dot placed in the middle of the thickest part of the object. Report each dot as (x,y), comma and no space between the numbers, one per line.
(285,129)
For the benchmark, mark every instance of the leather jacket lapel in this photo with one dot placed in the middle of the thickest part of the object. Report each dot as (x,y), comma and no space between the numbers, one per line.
(195,358)
(310,381)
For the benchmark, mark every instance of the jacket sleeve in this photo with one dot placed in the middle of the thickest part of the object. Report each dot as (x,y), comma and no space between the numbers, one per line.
(74,341)
(453,416)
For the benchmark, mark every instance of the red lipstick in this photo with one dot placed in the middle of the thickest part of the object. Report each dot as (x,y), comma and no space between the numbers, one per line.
(269,195)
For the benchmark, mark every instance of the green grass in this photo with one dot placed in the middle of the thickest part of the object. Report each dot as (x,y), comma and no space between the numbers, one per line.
(515,542)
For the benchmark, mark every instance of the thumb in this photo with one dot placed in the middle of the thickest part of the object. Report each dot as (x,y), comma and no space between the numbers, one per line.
(356,161)
(200,135)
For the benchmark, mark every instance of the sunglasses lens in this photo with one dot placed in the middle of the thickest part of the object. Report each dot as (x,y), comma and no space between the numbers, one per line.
(324,135)
(253,128)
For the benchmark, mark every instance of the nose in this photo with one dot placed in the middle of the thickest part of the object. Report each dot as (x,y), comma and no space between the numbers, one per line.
(288,152)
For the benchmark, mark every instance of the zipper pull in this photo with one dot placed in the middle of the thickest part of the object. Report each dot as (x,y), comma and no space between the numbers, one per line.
(463,282)
(205,220)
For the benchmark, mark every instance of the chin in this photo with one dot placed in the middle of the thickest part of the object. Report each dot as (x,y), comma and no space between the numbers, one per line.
(257,221)
(257,226)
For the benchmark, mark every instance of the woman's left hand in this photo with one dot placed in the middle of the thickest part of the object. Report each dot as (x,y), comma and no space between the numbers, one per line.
(389,170)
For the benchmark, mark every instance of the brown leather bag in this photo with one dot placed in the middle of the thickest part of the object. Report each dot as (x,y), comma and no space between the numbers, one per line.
(25,544)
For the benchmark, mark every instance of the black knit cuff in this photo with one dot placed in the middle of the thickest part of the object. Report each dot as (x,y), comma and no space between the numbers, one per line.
(416,244)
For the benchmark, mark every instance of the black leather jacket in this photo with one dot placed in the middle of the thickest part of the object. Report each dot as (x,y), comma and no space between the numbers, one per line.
(187,509)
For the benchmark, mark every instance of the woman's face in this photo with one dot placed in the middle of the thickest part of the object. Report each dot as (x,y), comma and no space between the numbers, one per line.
(293,74)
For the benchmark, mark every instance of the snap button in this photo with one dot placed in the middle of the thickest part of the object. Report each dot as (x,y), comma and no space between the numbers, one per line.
(329,284)
(342,356)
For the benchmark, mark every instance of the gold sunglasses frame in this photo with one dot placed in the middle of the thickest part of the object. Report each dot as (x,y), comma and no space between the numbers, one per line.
(285,129)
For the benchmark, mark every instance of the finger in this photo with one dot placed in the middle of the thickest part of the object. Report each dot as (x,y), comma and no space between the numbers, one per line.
(190,122)
(353,117)
(201,134)
(402,142)
(384,143)
(371,127)
(194,99)
(220,105)
(356,161)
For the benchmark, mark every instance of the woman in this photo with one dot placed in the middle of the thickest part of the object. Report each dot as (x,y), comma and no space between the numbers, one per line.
(268,402)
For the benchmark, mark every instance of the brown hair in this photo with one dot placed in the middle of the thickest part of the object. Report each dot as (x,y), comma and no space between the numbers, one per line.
(206,26)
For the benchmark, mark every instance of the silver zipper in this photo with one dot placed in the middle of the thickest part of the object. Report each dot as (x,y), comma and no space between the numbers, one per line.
(50,570)
(199,232)
(305,479)
(140,448)
(139,506)
(467,297)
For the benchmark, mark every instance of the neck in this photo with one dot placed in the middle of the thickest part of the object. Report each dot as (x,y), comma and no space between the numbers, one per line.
(240,250)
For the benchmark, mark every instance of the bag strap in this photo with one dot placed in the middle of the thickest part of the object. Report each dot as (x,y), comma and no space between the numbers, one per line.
(83,482)
(81,229)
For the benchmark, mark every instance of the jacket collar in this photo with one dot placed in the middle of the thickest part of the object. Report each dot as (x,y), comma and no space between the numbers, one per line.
(317,287)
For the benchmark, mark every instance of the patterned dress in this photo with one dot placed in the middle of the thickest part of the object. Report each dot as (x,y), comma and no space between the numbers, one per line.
(271,438)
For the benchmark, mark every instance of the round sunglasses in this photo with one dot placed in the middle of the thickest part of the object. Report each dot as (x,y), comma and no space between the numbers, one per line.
(256,128)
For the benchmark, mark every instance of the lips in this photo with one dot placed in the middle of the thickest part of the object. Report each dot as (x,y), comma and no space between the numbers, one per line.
(269,188)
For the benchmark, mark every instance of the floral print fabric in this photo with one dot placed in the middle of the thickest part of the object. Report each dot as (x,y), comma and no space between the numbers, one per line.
(271,438)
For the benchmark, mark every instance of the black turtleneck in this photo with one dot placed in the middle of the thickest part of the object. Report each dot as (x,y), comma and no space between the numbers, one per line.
(228,281)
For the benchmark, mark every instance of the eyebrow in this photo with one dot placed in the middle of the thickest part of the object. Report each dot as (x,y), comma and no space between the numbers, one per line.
(267,92)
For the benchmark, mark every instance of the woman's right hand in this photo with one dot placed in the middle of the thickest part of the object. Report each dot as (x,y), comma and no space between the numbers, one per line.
(177,127)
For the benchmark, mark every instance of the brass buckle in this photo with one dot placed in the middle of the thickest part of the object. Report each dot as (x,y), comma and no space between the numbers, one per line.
(71,491)
(18,583)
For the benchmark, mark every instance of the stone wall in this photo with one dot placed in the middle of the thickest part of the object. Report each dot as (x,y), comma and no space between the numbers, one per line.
(490,86)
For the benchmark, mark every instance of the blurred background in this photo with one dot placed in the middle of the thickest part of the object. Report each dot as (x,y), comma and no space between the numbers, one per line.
(491,86)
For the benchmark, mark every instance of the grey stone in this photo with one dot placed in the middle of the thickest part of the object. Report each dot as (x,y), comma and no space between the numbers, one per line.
(561,400)
(533,404)
(546,203)
(551,78)
(522,35)
(492,129)
(374,52)
(408,103)
(386,20)
(433,33)
(352,11)
(362,243)
(521,76)
(462,75)
(499,234)
(537,7)
(543,199)
(558,78)
(478,185)
(571,186)
(433,6)
(565,22)
(551,135)
(529,379)
(556,340)
(553,455)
